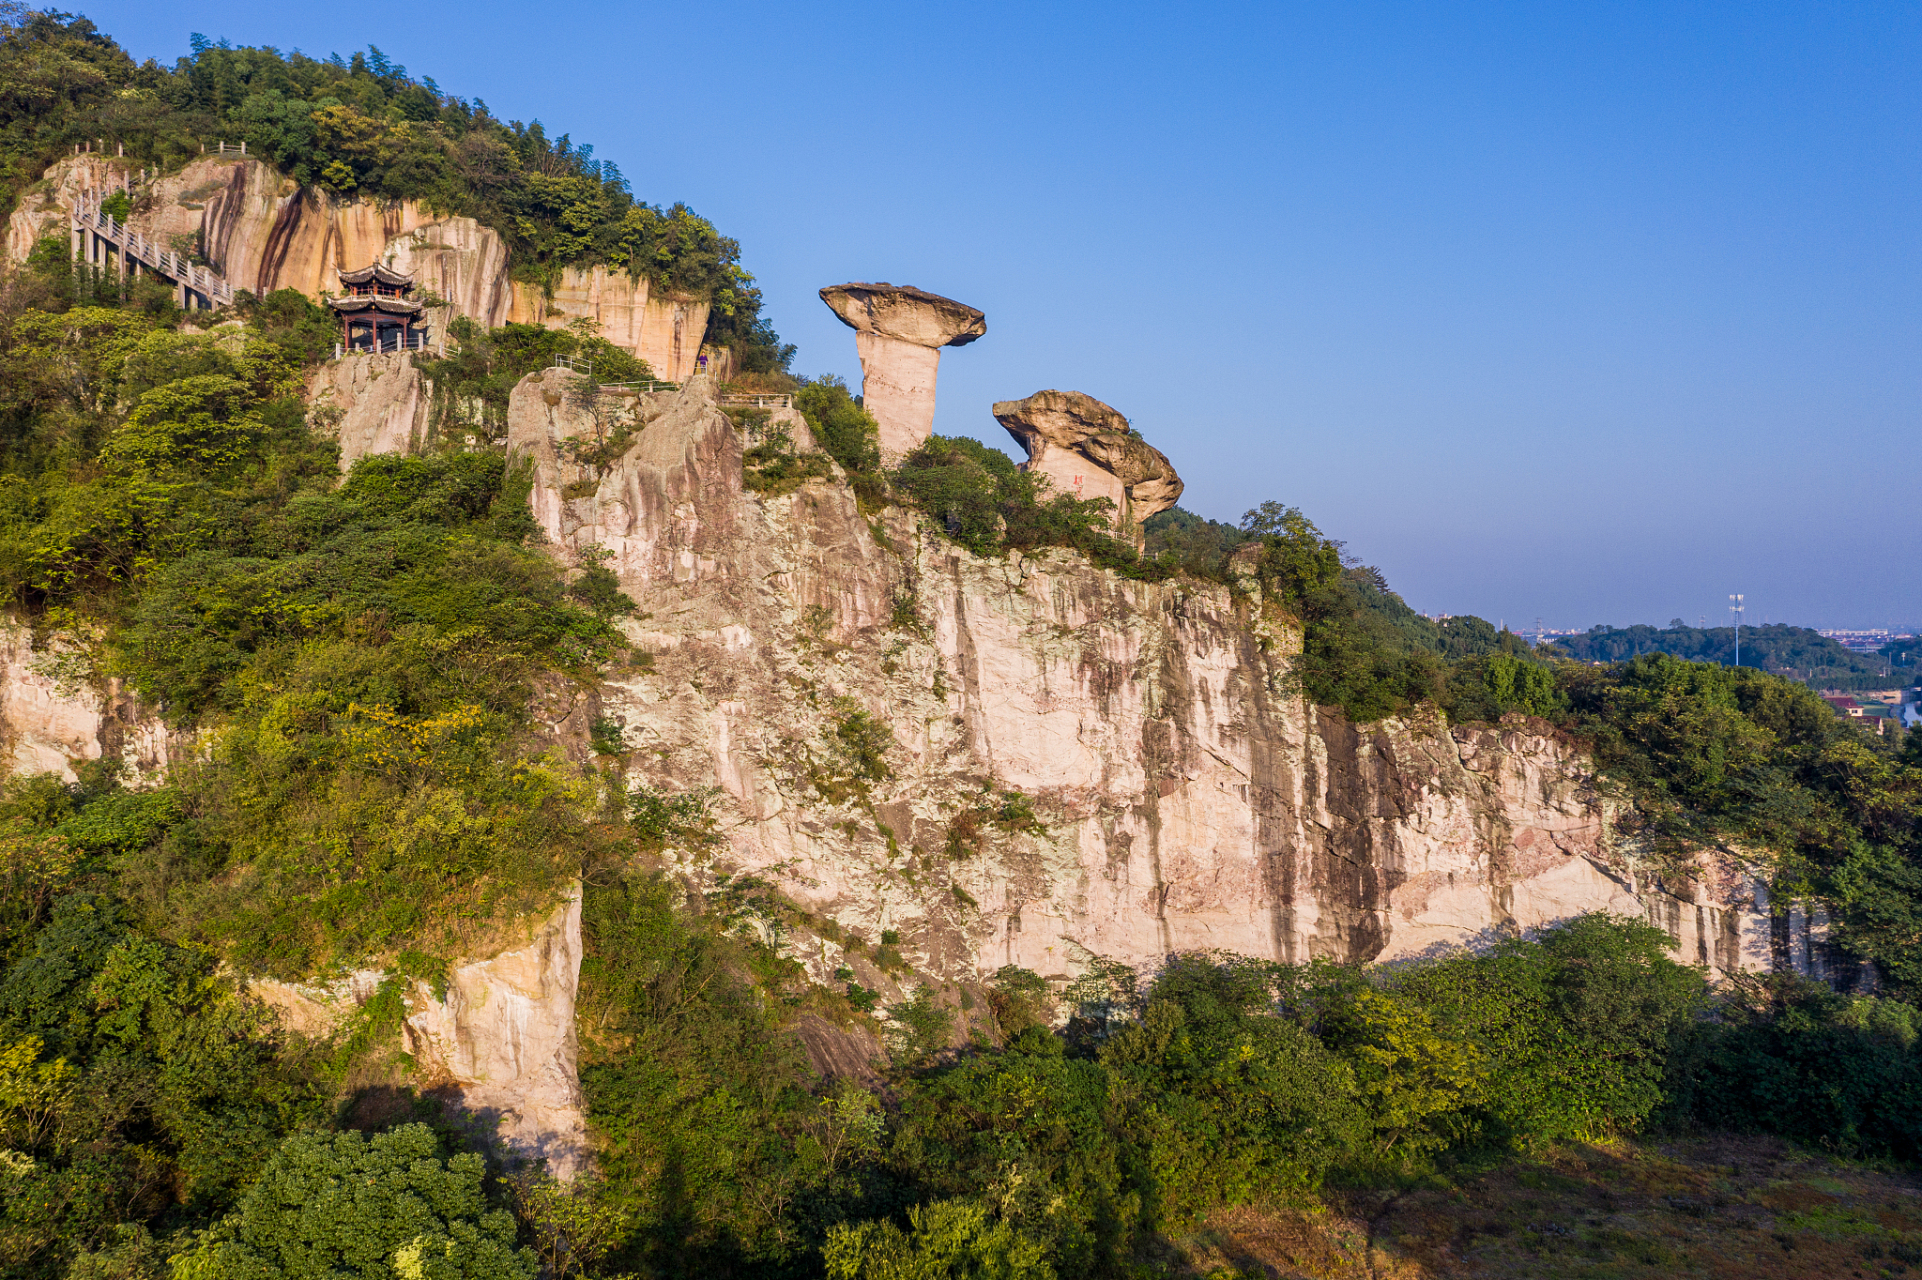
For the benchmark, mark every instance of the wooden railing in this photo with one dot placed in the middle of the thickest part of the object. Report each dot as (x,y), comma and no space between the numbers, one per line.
(89,218)
(586,369)
(647,387)
(398,342)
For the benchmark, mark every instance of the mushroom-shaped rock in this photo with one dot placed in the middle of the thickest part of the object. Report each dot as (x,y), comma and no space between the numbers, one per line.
(899,331)
(1087,449)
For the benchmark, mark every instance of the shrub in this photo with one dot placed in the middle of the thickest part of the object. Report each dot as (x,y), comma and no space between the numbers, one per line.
(861,743)
(1784,1055)
(846,431)
(1575,1026)
(699,1098)
(329,1204)
(949,1238)
(1019,999)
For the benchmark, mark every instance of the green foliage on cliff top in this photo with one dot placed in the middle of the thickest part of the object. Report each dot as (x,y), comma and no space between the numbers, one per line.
(362,126)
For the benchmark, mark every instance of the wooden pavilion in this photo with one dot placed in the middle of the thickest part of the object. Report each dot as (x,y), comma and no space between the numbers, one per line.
(376,314)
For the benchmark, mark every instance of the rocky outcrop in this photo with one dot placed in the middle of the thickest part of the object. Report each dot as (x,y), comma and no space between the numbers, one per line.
(372,404)
(1184,796)
(53,717)
(1088,449)
(634,501)
(663,329)
(499,1041)
(262,232)
(504,1038)
(899,332)
(46,208)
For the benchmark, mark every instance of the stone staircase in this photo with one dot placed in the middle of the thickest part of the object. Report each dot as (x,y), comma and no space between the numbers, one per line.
(99,239)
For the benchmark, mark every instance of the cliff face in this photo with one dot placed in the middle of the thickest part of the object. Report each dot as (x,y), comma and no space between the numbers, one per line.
(1185,796)
(1074,766)
(46,208)
(262,232)
(52,719)
(499,1042)
(372,404)
(663,330)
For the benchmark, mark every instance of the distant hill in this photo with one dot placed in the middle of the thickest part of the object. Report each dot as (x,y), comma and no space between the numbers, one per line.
(1796,652)
(1903,653)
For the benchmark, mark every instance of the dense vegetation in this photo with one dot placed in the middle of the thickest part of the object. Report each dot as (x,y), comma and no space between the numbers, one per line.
(362,126)
(1795,652)
(360,654)
(1217,1081)
(364,655)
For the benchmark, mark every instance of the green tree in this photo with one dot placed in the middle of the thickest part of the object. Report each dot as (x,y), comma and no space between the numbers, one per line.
(339,1204)
(946,1240)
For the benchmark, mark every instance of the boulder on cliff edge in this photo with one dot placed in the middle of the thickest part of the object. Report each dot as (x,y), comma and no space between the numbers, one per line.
(900,331)
(1088,449)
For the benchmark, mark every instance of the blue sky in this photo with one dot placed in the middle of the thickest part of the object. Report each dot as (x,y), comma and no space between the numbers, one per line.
(1592,313)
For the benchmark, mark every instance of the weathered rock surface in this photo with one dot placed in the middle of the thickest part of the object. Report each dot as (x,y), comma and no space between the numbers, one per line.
(372,404)
(662,329)
(899,332)
(501,1040)
(1186,798)
(505,1038)
(46,208)
(262,232)
(636,503)
(51,719)
(1087,448)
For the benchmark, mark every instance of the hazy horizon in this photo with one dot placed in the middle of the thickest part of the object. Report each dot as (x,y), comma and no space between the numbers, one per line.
(1592,315)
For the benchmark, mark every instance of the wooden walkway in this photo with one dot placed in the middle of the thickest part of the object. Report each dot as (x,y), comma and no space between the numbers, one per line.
(98,237)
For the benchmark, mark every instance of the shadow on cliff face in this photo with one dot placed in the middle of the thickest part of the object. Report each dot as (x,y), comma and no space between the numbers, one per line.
(377,1107)
(1475,944)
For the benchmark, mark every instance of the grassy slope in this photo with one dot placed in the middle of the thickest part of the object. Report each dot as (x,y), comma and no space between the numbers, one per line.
(1723,1207)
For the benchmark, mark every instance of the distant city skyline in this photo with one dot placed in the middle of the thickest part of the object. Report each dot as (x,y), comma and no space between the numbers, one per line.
(1558,310)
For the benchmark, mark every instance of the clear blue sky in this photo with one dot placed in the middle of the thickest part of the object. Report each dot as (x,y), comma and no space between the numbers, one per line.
(1594,313)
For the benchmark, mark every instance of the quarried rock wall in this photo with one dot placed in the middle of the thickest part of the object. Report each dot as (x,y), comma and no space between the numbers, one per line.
(500,1039)
(262,232)
(372,404)
(53,718)
(1184,795)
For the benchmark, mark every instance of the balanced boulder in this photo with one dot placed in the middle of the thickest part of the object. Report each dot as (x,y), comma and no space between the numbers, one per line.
(899,331)
(1086,448)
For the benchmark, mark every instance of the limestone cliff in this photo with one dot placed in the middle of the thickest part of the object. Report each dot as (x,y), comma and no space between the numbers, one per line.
(1080,766)
(263,232)
(53,717)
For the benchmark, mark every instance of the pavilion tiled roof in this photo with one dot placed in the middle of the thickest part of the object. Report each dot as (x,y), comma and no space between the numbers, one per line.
(377,274)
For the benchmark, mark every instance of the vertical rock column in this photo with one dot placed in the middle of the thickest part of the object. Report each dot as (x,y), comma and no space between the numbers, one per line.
(900,331)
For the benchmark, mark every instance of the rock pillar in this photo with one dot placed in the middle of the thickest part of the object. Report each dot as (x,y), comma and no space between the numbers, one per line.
(900,331)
